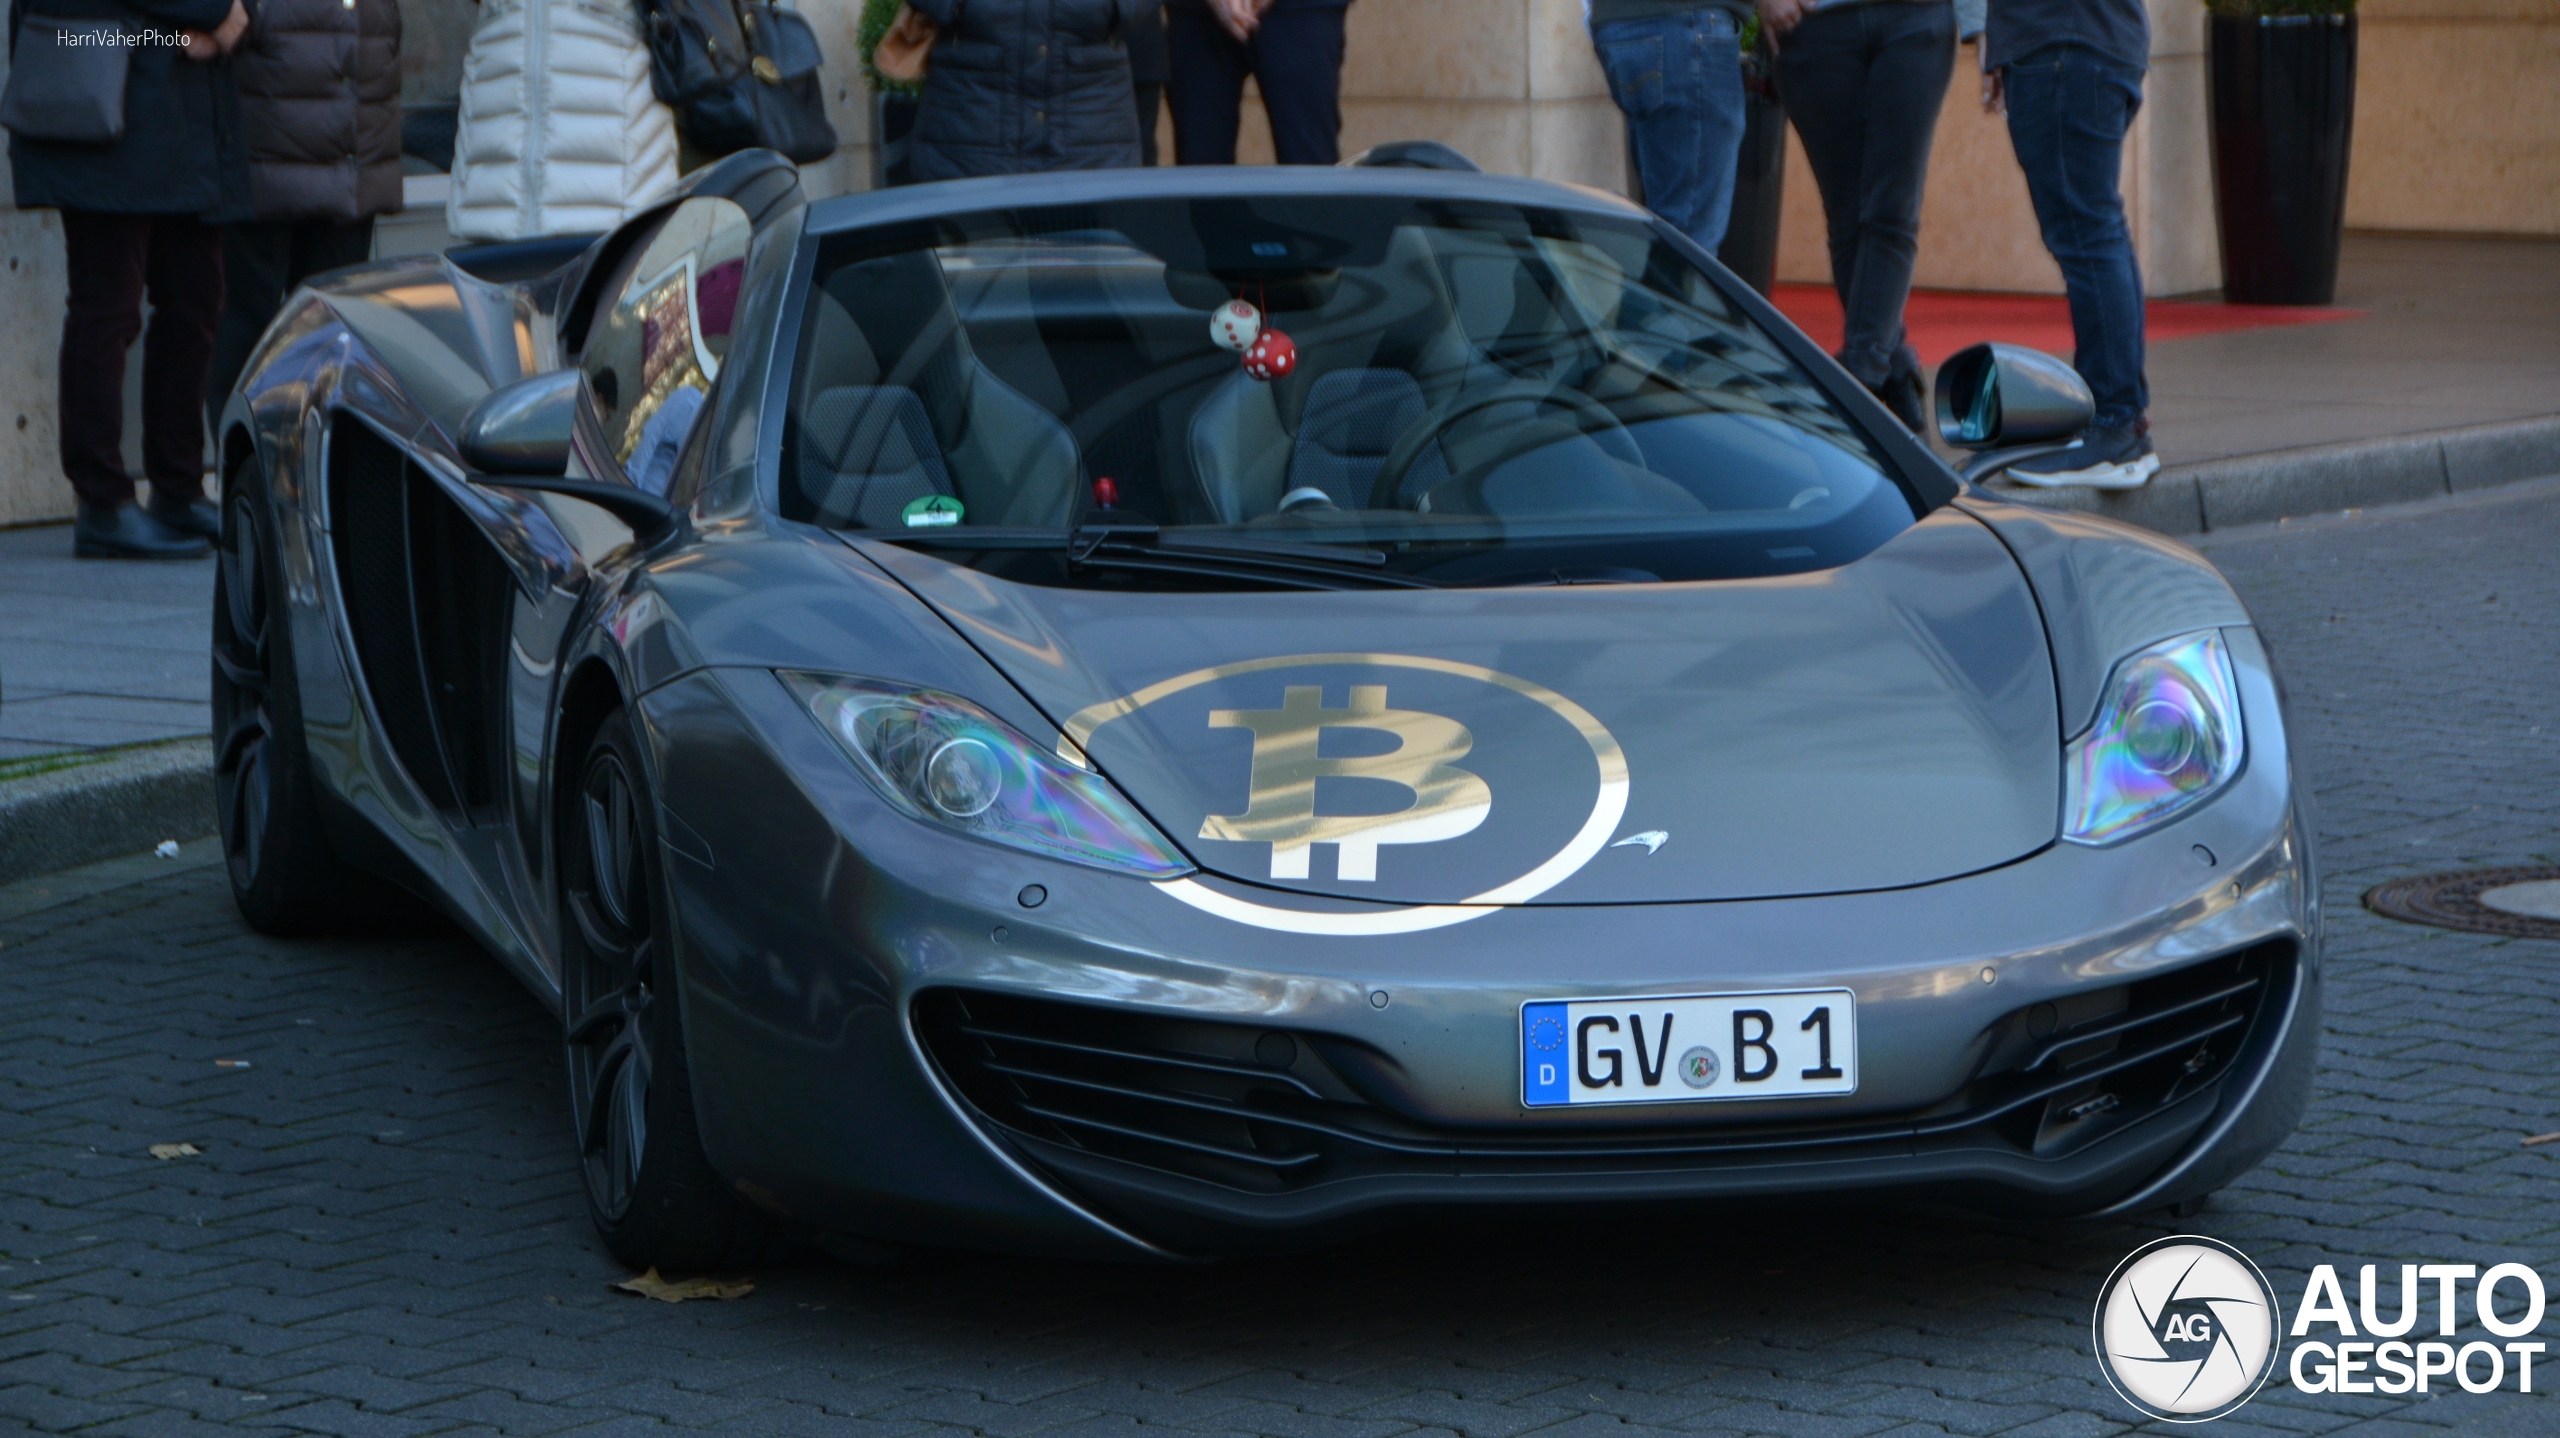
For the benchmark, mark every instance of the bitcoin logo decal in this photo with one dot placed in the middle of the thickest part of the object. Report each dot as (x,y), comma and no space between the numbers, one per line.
(1443,793)
(1281,810)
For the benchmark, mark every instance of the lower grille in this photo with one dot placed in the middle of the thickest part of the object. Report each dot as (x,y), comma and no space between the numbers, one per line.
(1266,1110)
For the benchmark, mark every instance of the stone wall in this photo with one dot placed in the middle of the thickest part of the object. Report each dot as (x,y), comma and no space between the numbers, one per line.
(2457,117)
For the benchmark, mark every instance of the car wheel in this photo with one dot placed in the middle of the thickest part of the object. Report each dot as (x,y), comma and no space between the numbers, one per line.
(650,1189)
(284,877)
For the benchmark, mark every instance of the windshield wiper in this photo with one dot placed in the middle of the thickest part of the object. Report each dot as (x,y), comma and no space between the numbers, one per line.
(1140,545)
(1297,566)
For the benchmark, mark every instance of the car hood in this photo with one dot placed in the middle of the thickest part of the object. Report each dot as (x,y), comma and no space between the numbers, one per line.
(1886,723)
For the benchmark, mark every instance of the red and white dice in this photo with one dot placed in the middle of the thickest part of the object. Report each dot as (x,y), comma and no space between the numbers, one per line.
(1235,326)
(1272,356)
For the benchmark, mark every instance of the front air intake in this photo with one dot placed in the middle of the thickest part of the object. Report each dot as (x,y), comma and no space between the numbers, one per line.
(1263,1110)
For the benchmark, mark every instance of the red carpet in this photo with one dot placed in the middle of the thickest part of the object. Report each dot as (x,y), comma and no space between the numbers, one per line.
(1944,321)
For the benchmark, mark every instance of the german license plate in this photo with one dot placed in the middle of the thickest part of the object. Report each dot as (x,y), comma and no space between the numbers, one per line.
(1796,1043)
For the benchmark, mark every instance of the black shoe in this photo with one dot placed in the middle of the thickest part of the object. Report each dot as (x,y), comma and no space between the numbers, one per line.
(2113,458)
(187,516)
(125,532)
(1908,399)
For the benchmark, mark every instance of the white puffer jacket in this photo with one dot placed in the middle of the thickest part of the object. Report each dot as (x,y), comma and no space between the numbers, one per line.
(560,134)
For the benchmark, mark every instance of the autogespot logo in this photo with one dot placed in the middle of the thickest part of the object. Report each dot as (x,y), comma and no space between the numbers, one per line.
(2186,1328)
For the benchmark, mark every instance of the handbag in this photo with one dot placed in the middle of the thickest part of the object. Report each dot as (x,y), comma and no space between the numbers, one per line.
(695,48)
(902,53)
(740,76)
(75,94)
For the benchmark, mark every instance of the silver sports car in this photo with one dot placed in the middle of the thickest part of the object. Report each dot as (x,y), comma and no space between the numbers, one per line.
(1169,712)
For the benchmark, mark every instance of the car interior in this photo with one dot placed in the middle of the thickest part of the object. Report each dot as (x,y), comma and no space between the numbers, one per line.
(1459,378)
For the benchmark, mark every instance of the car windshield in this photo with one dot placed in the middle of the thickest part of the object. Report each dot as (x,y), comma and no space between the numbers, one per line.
(1428,392)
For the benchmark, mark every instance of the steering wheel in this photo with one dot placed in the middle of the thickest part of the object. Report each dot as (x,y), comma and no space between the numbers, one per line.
(1418,440)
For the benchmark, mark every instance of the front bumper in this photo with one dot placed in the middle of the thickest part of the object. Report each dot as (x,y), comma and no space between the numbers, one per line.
(886,1042)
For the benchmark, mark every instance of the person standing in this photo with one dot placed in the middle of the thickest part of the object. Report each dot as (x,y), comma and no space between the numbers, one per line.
(1025,85)
(1293,51)
(319,85)
(560,132)
(134,223)
(2069,75)
(1862,81)
(1150,68)
(1675,71)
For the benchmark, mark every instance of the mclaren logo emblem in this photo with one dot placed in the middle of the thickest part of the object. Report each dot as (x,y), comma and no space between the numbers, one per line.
(1447,800)
(1420,753)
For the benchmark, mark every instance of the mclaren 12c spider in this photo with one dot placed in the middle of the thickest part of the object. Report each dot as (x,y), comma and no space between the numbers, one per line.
(1160,713)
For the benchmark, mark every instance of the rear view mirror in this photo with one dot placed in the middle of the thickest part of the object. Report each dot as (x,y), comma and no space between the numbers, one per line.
(1994,396)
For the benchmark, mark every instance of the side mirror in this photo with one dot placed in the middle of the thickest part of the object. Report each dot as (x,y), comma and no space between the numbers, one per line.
(519,437)
(2012,401)
(523,428)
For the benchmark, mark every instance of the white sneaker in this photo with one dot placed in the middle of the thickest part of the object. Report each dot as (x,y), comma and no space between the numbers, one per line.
(2127,474)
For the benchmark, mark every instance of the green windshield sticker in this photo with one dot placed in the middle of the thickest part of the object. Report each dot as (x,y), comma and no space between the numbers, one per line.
(934,511)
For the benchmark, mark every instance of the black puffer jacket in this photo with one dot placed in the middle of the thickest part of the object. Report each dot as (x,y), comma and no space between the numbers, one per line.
(181,152)
(320,102)
(1018,85)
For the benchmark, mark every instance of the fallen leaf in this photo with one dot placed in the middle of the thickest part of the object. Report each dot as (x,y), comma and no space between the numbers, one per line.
(230,1063)
(2540,1139)
(650,1285)
(174,1150)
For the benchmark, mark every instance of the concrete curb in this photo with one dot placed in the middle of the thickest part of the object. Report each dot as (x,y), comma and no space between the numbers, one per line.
(101,808)
(2320,479)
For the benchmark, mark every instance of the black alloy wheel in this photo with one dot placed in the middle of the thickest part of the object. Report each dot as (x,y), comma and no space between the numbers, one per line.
(650,1190)
(284,877)
(243,679)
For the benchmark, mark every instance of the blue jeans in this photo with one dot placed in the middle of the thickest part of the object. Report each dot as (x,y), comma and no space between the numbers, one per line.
(1679,80)
(2068,110)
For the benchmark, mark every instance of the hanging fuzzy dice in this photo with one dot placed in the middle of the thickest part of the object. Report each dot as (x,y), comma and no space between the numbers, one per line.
(1235,326)
(1272,356)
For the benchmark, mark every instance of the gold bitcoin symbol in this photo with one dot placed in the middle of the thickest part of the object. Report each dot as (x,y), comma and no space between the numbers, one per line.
(1281,810)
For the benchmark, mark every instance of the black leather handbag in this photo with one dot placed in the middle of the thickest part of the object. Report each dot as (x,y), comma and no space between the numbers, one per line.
(67,84)
(740,76)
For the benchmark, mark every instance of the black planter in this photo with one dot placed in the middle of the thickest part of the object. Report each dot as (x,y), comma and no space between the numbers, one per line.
(893,120)
(1750,247)
(2283,100)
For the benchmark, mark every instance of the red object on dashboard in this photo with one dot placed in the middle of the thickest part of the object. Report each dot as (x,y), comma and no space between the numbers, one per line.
(1106,493)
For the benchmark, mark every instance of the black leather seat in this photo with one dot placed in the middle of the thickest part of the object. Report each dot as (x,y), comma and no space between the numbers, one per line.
(878,449)
(1353,417)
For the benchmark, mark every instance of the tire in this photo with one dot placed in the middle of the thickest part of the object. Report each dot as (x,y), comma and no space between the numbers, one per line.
(285,879)
(651,1192)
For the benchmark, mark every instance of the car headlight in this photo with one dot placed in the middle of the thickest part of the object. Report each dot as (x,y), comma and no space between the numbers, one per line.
(942,759)
(2167,737)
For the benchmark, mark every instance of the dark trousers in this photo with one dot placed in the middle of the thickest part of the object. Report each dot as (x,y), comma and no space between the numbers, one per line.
(2069,107)
(114,260)
(1296,59)
(261,265)
(1863,84)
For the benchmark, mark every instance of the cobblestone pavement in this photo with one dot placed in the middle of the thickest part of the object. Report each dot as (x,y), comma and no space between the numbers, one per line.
(383,1233)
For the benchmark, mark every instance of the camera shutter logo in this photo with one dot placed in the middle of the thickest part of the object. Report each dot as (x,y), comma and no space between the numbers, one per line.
(2186,1328)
